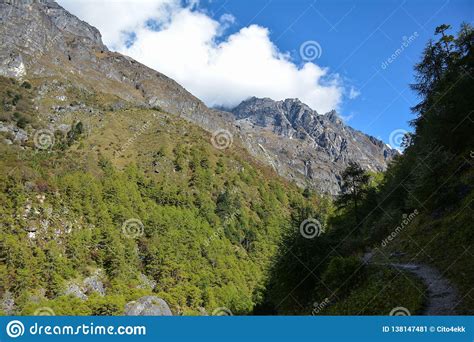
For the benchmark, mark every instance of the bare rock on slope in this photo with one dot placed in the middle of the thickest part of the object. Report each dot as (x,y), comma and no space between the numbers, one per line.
(305,146)
(148,306)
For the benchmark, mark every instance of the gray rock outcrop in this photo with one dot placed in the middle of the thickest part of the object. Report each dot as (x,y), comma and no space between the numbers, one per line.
(7,303)
(94,284)
(75,291)
(148,306)
(305,146)
(91,284)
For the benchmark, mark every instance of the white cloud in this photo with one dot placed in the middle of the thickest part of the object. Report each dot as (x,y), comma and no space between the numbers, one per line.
(189,46)
(347,118)
(353,93)
(116,17)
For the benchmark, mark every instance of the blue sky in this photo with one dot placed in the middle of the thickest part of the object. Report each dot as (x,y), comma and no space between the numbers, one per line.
(356,37)
(225,51)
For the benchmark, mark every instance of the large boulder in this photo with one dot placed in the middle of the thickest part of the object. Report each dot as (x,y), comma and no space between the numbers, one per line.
(148,306)
(92,284)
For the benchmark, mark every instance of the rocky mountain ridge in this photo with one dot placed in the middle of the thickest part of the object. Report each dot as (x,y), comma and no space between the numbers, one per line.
(42,41)
(67,61)
(305,146)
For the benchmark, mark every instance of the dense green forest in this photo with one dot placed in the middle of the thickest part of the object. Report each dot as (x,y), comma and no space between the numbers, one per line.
(199,227)
(94,219)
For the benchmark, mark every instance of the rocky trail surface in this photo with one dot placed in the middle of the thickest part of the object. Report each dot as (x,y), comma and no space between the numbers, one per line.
(442,297)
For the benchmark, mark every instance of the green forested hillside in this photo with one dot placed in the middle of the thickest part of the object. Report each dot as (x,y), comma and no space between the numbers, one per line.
(419,211)
(435,174)
(145,203)
(118,202)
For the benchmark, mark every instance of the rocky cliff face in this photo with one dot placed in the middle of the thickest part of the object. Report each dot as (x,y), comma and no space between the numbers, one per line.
(304,146)
(66,60)
(41,40)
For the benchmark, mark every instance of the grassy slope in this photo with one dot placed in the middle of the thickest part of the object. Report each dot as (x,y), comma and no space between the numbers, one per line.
(382,290)
(212,219)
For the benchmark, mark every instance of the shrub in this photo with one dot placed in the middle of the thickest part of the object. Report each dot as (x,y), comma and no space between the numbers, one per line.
(16,98)
(26,85)
(342,274)
(21,119)
(5,117)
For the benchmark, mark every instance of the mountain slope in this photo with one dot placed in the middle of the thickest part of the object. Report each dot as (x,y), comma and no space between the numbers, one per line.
(108,195)
(135,202)
(65,56)
(43,41)
(307,147)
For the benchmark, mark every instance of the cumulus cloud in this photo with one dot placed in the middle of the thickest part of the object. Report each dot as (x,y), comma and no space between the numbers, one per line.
(115,19)
(191,47)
